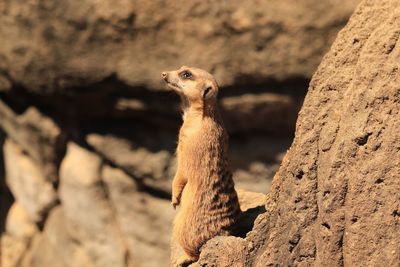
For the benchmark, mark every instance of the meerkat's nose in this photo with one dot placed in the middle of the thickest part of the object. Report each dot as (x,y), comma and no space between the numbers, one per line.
(164,75)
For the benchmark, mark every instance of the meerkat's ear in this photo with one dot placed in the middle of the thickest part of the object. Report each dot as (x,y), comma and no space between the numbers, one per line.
(208,90)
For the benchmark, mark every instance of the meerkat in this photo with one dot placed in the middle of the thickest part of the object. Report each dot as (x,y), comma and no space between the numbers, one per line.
(203,184)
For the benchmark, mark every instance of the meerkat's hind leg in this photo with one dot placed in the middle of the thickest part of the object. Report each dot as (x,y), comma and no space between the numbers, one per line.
(184,261)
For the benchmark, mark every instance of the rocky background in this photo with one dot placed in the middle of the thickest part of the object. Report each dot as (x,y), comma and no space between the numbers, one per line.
(88,130)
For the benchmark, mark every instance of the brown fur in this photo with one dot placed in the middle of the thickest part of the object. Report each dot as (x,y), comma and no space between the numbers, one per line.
(203,182)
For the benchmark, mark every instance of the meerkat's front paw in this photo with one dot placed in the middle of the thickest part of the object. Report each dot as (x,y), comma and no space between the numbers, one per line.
(175,201)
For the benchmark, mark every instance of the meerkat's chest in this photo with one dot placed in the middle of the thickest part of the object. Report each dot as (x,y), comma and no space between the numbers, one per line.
(190,132)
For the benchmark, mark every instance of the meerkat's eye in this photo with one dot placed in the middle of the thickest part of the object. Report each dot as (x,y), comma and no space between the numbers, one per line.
(186,74)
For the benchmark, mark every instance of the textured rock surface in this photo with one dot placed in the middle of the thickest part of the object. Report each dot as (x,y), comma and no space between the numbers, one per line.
(27,183)
(19,230)
(234,249)
(52,45)
(335,199)
(19,223)
(89,213)
(37,135)
(43,247)
(144,221)
(82,105)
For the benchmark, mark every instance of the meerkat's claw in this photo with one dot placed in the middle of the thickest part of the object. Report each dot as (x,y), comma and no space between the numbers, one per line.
(175,202)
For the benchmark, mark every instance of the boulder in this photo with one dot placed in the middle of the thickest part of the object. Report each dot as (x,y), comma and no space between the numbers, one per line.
(87,73)
(107,211)
(153,168)
(145,219)
(37,134)
(89,213)
(12,250)
(55,246)
(19,224)
(234,249)
(27,182)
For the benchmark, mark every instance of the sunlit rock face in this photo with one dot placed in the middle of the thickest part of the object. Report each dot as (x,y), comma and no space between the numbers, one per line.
(88,131)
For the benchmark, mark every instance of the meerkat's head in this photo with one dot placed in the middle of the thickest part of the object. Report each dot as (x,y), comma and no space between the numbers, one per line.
(196,85)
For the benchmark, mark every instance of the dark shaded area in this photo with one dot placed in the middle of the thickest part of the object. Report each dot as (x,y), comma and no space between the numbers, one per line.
(246,220)
(113,100)
(246,84)
(6,199)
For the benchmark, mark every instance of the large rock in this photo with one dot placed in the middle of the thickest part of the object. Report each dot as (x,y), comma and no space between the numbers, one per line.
(37,134)
(145,220)
(20,229)
(234,252)
(12,250)
(90,215)
(19,224)
(89,71)
(335,199)
(27,182)
(52,46)
(153,168)
(55,246)
(105,209)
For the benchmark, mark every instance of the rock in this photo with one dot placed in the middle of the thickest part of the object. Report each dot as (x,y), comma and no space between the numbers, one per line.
(250,200)
(90,215)
(233,249)
(19,224)
(6,199)
(87,73)
(145,220)
(45,249)
(12,250)
(5,84)
(152,168)
(124,225)
(61,43)
(27,183)
(16,240)
(37,134)
(335,198)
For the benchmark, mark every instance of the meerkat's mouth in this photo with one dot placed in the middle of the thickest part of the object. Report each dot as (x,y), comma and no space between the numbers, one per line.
(173,86)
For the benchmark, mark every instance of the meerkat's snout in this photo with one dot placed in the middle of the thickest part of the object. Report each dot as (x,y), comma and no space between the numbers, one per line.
(171,80)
